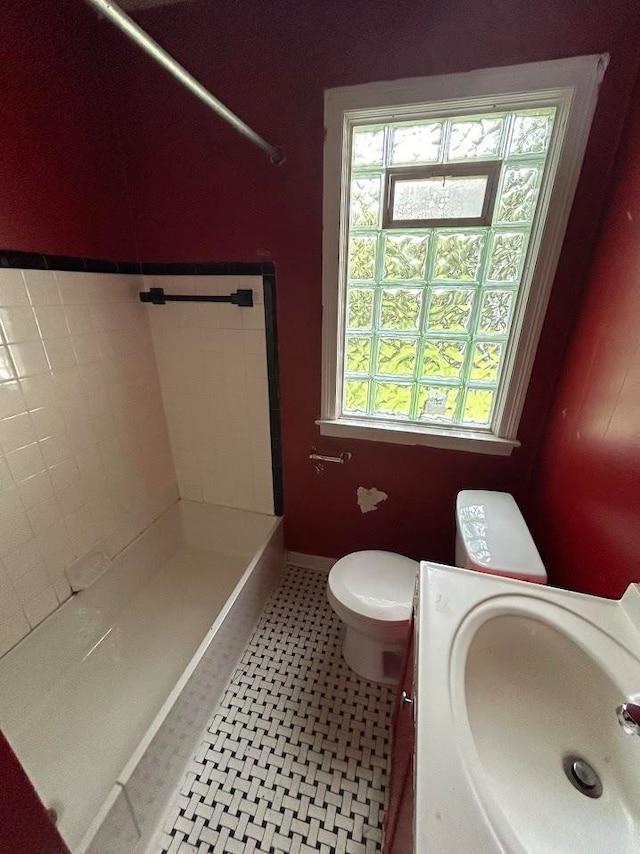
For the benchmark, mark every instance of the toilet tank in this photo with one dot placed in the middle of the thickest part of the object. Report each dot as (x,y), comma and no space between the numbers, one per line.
(492,536)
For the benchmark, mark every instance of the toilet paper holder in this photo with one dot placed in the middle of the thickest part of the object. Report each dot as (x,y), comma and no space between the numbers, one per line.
(344,457)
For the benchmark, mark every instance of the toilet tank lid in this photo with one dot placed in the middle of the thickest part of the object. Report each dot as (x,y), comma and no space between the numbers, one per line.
(495,536)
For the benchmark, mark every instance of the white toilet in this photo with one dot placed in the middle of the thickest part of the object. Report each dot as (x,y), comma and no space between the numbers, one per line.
(372,591)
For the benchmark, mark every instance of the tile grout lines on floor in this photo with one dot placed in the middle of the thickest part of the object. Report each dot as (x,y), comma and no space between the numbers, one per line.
(295,757)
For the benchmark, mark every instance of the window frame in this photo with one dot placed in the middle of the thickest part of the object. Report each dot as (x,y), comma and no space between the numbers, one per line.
(571,85)
(489,168)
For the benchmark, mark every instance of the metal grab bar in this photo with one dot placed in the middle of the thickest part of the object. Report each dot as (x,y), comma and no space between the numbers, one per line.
(242,297)
(135,32)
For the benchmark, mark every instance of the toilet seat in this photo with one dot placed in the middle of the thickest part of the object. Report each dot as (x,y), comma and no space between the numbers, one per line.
(375,586)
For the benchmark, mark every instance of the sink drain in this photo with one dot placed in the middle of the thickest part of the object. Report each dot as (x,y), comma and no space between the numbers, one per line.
(582,776)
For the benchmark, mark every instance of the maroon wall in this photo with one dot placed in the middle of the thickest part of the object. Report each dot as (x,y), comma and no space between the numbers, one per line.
(588,480)
(62,187)
(25,827)
(201,192)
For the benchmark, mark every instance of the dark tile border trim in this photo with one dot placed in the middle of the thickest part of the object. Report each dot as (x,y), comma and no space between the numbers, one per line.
(273,374)
(36,261)
(266,269)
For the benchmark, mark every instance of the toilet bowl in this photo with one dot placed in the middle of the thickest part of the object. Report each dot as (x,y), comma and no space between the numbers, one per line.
(372,591)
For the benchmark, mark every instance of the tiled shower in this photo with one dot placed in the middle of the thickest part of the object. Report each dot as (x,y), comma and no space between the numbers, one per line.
(109,410)
(213,372)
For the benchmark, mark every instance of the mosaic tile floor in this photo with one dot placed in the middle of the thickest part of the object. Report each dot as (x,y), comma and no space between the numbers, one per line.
(295,757)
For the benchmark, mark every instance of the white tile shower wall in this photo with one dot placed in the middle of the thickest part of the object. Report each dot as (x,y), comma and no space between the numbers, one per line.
(85,456)
(213,371)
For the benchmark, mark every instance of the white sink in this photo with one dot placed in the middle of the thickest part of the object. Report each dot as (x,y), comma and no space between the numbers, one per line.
(515,682)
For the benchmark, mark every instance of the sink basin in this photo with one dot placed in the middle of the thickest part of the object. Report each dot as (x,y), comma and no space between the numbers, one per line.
(533,695)
(515,684)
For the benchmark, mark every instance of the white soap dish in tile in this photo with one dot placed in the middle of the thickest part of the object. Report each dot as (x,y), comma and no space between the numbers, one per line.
(87,569)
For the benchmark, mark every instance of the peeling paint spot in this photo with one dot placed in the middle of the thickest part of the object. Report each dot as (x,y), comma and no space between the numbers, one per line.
(368,499)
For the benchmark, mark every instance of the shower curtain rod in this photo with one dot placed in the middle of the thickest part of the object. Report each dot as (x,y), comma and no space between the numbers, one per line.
(129,27)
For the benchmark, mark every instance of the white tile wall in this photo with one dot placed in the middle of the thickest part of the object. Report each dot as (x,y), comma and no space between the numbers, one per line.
(213,371)
(85,456)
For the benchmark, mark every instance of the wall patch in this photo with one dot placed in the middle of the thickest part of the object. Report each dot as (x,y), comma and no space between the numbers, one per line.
(368,499)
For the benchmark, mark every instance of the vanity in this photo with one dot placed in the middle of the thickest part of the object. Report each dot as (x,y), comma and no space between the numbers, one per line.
(514,730)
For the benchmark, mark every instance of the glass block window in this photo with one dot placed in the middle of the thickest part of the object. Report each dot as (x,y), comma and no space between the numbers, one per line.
(429,308)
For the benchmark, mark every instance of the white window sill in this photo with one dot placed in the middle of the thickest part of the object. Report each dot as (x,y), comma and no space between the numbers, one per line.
(452,439)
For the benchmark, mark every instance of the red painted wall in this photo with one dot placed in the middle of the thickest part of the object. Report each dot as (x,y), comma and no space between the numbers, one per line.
(588,479)
(25,827)
(199,191)
(62,187)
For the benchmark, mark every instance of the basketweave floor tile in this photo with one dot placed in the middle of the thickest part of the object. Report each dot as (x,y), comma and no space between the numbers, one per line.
(295,757)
